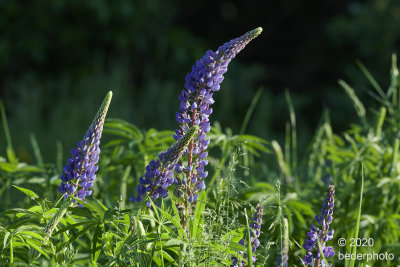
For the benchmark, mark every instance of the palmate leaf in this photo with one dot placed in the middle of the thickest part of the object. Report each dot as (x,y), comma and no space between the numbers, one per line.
(175,220)
(234,236)
(147,142)
(226,140)
(122,129)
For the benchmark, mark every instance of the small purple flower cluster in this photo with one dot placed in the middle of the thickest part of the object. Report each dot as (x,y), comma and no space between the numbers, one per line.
(195,108)
(80,171)
(321,235)
(255,228)
(282,259)
(160,172)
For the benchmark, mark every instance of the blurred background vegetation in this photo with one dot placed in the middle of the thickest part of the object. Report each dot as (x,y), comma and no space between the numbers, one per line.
(59,58)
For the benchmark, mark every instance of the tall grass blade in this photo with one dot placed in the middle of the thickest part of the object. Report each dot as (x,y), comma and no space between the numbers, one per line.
(124,186)
(36,150)
(59,156)
(293,140)
(287,144)
(381,119)
(354,250)
(250,111)
(358,105)
(395,165)
(394,84)
(372,80)
(281,162)
(9,149)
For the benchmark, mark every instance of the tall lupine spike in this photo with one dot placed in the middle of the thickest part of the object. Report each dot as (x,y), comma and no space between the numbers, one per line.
(313,256)
(80,172)
(196,100)
(160,172)
(255,228)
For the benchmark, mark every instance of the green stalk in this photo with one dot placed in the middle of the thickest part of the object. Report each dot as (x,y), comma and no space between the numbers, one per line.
(395,166)
(381,119)
(249,250)
(36,150)
(395,81)
(354,250)
(11,251)
(285,242)
(55,220)
(281,161)
(293,142)
(322,254)
(124,186)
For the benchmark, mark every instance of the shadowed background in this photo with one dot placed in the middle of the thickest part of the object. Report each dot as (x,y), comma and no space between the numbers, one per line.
(59,58)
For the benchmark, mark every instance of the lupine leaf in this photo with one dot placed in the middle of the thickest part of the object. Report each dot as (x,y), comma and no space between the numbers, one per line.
(20,212)
(27,192)
(37,246)
(83,231)
(72,226)
(97,206)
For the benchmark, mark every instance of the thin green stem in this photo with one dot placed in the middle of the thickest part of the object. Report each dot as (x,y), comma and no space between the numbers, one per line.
(249,248)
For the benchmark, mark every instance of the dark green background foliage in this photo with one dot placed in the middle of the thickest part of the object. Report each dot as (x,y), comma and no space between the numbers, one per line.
(59,58)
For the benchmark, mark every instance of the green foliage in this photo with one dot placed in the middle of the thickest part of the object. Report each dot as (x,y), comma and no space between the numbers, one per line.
(38,228)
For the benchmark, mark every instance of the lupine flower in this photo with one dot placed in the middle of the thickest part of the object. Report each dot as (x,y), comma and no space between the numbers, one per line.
(80,172)
(160,172)
(255,227)
(195,108)
(321,235)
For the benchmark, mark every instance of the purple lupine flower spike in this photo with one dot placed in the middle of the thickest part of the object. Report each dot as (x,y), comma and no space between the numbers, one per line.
(160,172)
(80,172)
(321,235)
(196,100)
(255,228)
